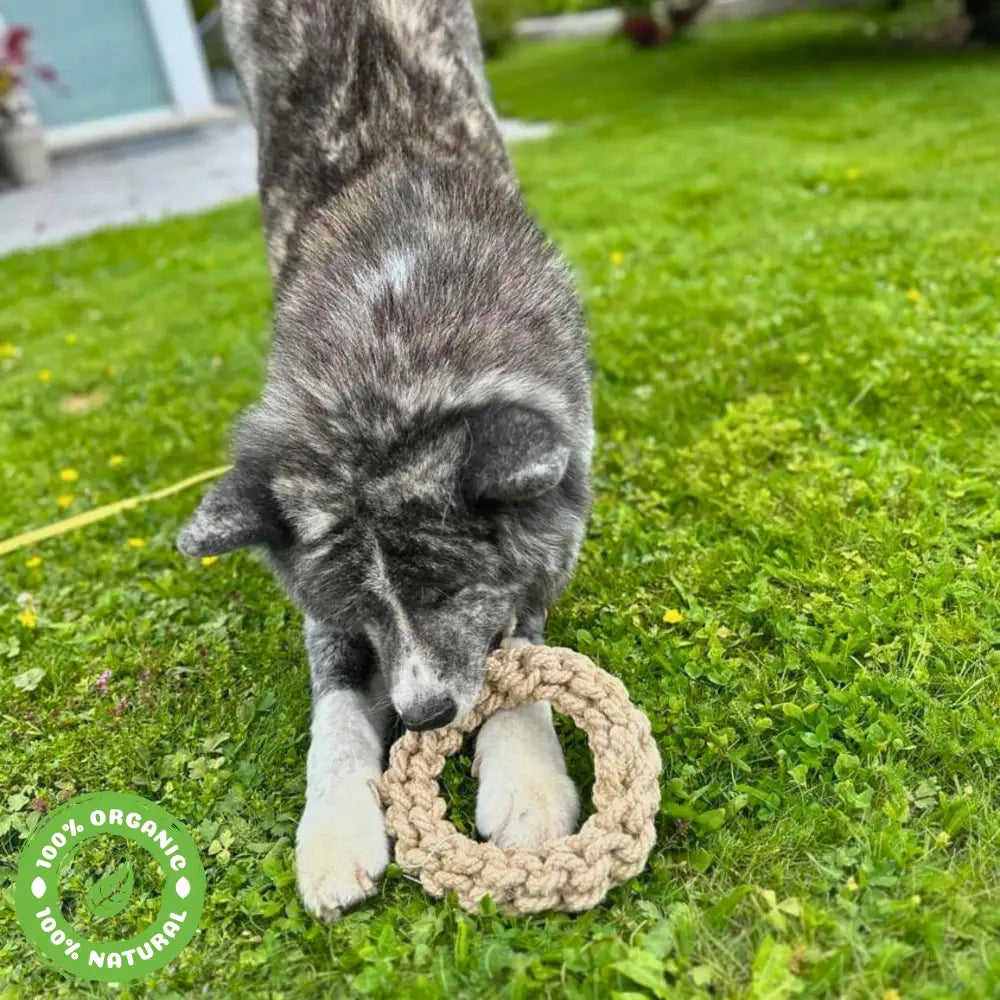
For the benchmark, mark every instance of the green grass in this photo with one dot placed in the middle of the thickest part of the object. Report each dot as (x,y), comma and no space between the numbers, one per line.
(798,386)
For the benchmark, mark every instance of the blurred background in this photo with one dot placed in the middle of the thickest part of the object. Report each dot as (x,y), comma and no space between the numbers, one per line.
(78,78)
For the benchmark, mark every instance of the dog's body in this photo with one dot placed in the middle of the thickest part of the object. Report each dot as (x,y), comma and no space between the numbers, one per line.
(417,468)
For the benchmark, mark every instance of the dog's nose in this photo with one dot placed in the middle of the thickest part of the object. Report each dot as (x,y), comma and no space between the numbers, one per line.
(430,714)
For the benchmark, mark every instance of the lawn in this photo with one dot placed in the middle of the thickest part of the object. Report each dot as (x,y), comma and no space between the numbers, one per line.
(787,237)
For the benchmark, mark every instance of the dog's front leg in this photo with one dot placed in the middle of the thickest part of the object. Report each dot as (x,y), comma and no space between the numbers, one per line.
(525,795)
(341,845)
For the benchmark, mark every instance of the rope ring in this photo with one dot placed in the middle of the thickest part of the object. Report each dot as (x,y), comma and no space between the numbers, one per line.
(571,873)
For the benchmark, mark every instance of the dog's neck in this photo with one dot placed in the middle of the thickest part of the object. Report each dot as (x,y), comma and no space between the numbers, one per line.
(344,92)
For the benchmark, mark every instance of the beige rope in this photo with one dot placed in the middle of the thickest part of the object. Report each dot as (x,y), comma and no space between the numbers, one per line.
(573,873)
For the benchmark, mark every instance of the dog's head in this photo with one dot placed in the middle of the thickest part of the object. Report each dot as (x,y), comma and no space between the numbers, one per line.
(429,540)
(417,468)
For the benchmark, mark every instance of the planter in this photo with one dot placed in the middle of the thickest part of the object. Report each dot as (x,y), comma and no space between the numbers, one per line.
(23,155)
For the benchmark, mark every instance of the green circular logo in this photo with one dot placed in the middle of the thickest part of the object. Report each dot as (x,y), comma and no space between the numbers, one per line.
(53,843)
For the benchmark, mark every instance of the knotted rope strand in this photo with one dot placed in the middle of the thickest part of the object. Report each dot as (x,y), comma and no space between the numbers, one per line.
(573,873)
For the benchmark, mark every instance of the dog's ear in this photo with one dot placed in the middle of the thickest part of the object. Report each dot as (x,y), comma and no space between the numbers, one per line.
(516,454)
(237,512)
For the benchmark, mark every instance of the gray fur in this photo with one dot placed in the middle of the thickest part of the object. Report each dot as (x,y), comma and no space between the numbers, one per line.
(417,468)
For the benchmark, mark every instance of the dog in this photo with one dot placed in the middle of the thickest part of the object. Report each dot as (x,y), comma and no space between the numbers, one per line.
(416,470)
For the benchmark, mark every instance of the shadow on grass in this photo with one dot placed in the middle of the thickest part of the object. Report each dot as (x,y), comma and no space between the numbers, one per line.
(748,64)
(844,49)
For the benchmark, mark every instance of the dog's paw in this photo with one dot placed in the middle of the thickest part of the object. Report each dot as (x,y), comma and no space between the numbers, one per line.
(341,850)
(525,802)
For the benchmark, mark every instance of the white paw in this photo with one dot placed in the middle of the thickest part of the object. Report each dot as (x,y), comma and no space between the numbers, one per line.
(525,796)
(527,809)
(341,850)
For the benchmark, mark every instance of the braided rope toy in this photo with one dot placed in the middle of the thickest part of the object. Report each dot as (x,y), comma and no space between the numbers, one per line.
(572,873)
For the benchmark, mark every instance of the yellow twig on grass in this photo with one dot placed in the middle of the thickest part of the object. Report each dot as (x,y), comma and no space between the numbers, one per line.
(9,545)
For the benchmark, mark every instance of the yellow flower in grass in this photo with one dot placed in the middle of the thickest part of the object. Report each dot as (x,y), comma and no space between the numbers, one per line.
(28,618)
(943,838)
(115,460)
(8,350)
(70,340)
(672,616)
(617,258)
(209,560)
(65,500)
(852,884)
(852,173)
(912,295)
(891,995)
(69,475)
(136,543)
(45,375)
(33,562)
(111,370)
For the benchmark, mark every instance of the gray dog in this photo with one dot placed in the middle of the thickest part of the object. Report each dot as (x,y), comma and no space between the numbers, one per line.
(417,469)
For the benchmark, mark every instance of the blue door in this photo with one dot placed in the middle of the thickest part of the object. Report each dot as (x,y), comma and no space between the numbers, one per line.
(105,54)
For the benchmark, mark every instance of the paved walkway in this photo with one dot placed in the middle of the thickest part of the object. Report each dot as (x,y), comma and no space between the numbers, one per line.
(608,21)
(143,181)
(583,24)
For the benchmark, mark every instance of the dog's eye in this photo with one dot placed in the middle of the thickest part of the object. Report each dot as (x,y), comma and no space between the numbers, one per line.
(487,506)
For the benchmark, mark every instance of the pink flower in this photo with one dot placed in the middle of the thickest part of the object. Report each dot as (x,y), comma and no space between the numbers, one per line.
(120,707)
(16,64)
(101,684)
(15,48)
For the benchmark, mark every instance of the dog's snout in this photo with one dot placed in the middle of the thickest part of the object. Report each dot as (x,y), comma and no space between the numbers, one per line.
(431,713)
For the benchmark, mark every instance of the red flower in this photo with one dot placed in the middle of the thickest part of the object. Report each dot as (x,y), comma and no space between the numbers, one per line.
(15,45)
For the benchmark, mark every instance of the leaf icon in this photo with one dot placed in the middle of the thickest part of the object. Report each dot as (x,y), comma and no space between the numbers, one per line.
(110,895)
